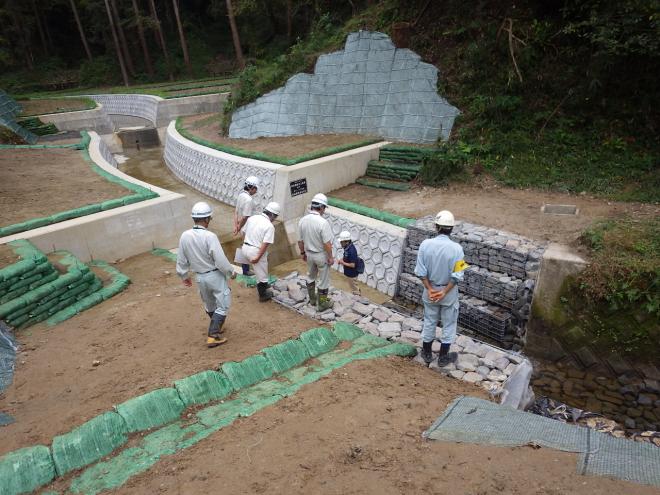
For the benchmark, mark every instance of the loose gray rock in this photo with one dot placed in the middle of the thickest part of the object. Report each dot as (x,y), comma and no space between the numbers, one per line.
(483,371)
(472,377)
(458,374)
(467,362)
(472,348)
(389,329)
(349,318)
(296,293)
(486,362)
(509,369)
(464,341)
(372,329)
(483,350)
(366,319)
(494,355)
(363,309)
(501,363)
(410,324)
(309,311)
(380,315)
(340,309)
(496,376)
(328,316)
(411,336)
(435,346)
(395,318)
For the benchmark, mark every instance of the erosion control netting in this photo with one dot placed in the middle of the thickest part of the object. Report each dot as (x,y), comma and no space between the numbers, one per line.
(473,420)
(8,350)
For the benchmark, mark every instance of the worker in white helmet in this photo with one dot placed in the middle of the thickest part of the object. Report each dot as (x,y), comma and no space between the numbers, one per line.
(259,235)
(350,260)
(200,252)
(440,265)
(245,209)
(315,244)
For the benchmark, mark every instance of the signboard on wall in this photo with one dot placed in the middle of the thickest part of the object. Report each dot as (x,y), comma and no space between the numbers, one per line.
(298,187)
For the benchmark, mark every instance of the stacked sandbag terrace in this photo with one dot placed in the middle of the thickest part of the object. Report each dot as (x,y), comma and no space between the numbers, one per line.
(497,290)
(478,362)
(36,126)
(9,109)
(53,288)
(396,165)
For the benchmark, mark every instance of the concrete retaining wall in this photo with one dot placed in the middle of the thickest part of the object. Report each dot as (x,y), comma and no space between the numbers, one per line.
(215,173)
(370,87)
(379,244)
(95,120)
(172,108)
(144,106)
(116,233)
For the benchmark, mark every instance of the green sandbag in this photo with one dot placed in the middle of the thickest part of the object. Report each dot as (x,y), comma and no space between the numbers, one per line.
(203,387)
(346,331)
(319,340)
(286,355)
(248,372)
(17,269)
(14,294)
(112,203)
(89,442)
(25,470)
(152,409)
(12,306)
(46,279)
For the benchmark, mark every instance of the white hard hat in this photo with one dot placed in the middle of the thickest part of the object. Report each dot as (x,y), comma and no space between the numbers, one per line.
(320,199)
(344,235)
(444,218)
(252,181)
(273,208)
(201,210)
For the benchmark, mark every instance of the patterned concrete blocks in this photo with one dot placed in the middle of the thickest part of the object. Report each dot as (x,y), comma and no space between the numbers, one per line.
(379,244)
(370,87)
(214,173)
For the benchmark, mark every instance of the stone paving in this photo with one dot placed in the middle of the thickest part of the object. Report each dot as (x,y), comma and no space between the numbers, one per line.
(477,362)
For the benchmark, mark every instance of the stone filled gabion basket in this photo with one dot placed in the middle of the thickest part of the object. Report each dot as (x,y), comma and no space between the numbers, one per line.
(478,363)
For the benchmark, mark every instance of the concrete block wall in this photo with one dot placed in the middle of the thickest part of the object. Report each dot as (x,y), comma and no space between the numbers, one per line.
(379,244)
(215,173)
(370,87)
(144,106)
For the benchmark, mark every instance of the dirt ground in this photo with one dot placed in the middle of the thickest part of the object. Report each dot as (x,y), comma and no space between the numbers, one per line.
(53,105)
(207,126)
(40,182)
(355,431)
(487,203)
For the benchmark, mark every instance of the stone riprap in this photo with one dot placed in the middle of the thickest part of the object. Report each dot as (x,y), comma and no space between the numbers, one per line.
(497,289)
(378,243)
(371,87)
(215,173)
(477,362)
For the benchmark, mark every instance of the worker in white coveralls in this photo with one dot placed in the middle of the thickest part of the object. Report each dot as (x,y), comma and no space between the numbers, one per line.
(440,265)
(245,209)
(315,243)
(259,235)
(200,252)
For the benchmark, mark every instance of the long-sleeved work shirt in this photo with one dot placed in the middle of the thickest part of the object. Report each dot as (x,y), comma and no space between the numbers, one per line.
(200,251)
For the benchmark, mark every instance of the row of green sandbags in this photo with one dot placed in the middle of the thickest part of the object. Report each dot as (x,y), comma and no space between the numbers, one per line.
(36,126)
(27,273)
(383,216)
(379,184)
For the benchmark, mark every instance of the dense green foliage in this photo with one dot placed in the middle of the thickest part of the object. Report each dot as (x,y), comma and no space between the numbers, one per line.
(617,297)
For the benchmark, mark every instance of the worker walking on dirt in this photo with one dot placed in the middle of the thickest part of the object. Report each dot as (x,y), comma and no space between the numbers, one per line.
(440,265)
(259,235)
(200,252)
(349,261)
(245,209)
(315,243)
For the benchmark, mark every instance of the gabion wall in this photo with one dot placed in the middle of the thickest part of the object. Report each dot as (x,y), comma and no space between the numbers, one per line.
(370,87)
(497,289)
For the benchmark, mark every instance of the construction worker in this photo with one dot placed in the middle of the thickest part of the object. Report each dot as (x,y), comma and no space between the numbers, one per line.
(315,244)
(200,252)
(349,261)
(245,209)
(259,234)
(440,265)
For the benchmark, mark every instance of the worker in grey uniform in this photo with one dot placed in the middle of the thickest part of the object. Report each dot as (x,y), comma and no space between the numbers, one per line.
(245,209)
(200,252)
(259,235)
(440,265)
(315,243)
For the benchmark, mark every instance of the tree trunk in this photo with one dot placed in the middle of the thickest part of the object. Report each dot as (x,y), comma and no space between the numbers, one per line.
(40,28)
(120,57)
(161,38)
(122,39)
(235,37)
(143,42)
(22,38)
(289,19)
(184,45)
(83,38)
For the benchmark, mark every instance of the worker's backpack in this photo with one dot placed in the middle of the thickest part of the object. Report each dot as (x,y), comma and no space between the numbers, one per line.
(359,266)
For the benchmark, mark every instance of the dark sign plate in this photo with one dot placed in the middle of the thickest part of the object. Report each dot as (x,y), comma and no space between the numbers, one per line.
(298,187)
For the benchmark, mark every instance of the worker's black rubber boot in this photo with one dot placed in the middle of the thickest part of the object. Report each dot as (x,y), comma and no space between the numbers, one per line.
(311,292)
(210,313)
(445,357)
(427,353)
(264,293)
(215,329)
(324,301)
